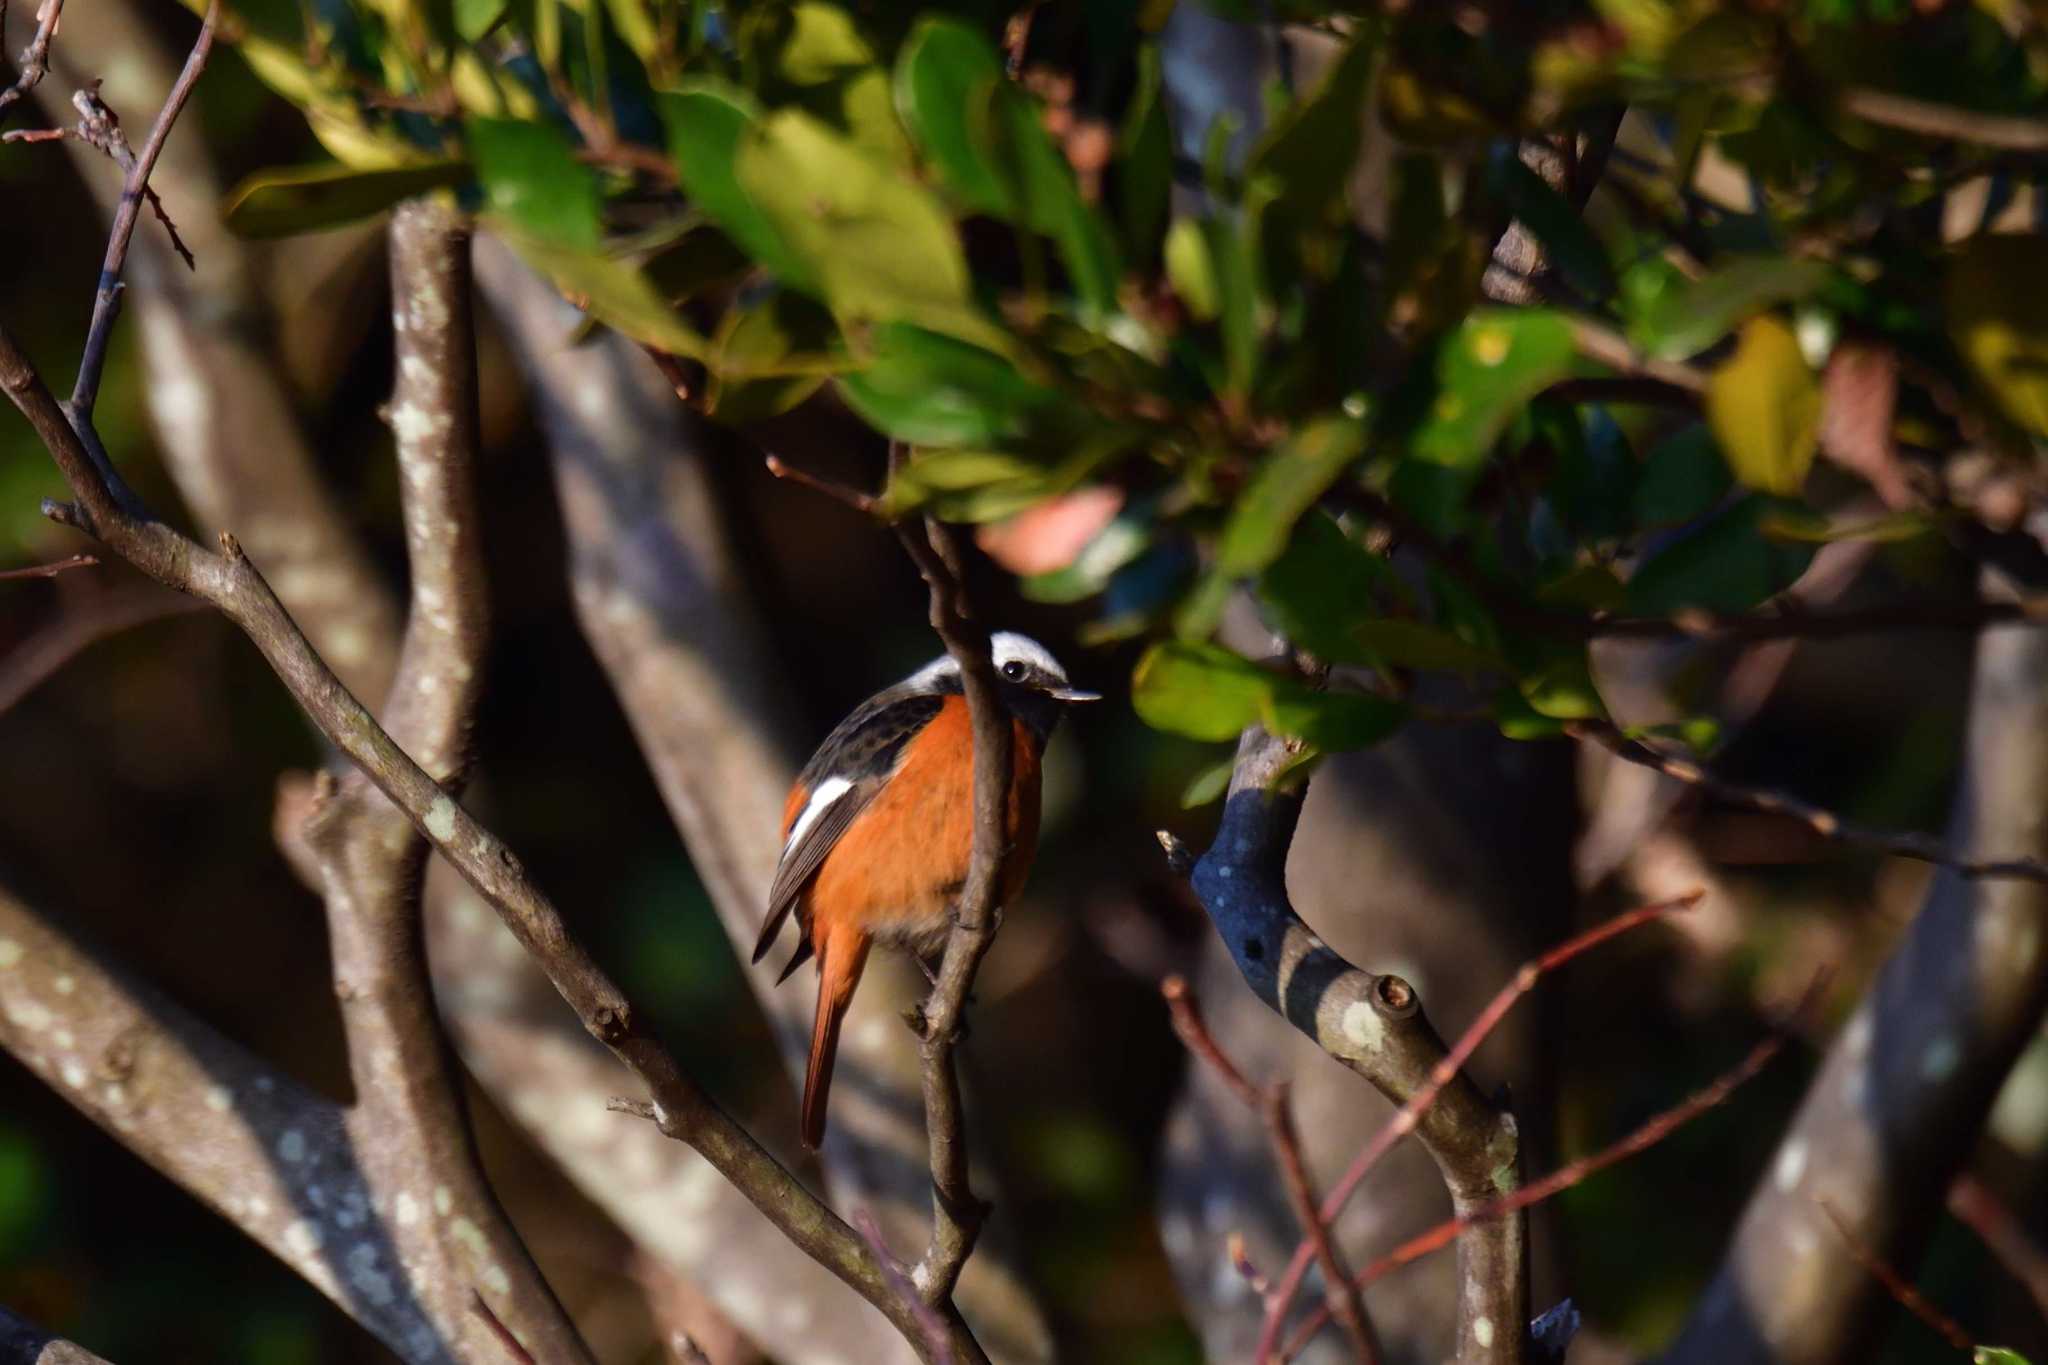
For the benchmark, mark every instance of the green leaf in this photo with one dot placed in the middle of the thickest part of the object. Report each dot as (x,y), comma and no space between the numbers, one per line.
(988,142)
(1997,314)
(531,177)
(1486,371)
(1199,690)
(280,202)
(1237,300)
(1683,478)
(1675,319)
(1728,564)
(1110,549)
(880,246)
(1412,644)
(1568,243)
(1307,156)
(1317,590)
(705,122)
(1287,483)
(476,18)
(1190,270)
(1997,1355)
(769,355)
(1562,688)
(1330,720)
(814,56)
(1144,167)
(1763,404)
(611,290)
(1209,784)
(933,390)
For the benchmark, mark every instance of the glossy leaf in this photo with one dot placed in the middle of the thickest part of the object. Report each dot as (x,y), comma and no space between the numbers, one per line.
(1209,784)
(1997,313)
(933,390)
(531,177)
(1763,405)
(769,355)
(1677,319)
(705,122)
(280,202)
(1330,721)
(1286,484)
(879,246)
(1486,371)
(1190,270)
(1316,592)
(1997,1355)
(1727,564)
(1415,644)
(986,139)
(612,291)
(1199,690)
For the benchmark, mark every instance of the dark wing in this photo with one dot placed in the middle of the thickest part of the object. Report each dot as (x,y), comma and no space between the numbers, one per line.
(862,752)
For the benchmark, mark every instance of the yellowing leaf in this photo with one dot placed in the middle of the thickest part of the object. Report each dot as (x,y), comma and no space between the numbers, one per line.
(1764,408)
(1997,312)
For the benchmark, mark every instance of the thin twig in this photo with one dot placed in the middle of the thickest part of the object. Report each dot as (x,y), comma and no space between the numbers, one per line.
(100,127)
(499,1330)
(838,492)
(1603,344)
(35,660)
(1785,621)
(107,298)
(1341,1298)
(1974,1204)
(1271,1106)
(1826,823)
(1648,1135)
(35,58)
(957,1213)
(892,1269)
(1409,1115)
(50,570)
(1909,1298)
(2012,132)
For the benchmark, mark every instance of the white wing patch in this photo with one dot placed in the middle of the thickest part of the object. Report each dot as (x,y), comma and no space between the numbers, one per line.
(829,791)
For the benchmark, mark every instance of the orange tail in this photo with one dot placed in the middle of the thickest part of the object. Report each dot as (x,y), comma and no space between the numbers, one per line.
(840,961)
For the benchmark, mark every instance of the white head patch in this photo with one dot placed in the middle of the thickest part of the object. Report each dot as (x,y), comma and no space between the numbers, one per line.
(1005,646)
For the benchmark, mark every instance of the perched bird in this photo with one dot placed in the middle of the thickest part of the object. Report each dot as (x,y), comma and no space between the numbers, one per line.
(880,826)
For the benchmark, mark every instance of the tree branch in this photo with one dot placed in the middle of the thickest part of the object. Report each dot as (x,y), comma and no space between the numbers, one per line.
(2011,132)
(50,570)
(35,58)
(1372,1024)
(23,1343)
(1893,1113)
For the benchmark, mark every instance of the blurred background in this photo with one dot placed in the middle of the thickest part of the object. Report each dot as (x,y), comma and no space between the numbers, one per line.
(142,747)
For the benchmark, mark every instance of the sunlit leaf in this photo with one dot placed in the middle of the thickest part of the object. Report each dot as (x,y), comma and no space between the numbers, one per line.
(1209,784)
(878,243)
(1486,371)
(705,122)
(769,355)
(1997,1355)
(1198,690)
(1680,318)
(611,290)
(1330,721)
(1190,270)
(1286,484)
(1997,313)
(280,202)
(1763,405)
(933,390)
(531,177)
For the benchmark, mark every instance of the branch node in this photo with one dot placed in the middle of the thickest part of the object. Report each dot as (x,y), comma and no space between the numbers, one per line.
(1393,997)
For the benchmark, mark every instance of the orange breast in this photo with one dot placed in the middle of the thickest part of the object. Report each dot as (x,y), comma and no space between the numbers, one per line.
(895,872)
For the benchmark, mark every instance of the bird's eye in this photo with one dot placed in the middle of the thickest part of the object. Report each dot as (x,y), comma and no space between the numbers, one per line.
(1014,671)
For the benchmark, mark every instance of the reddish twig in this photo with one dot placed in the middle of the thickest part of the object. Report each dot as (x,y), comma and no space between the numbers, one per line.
(1410,1113)
(1909,1298)
(50,570)
(933,1330)
(1826,823)
(1343,1301)
(1649,1135)
(1974,1205)
(499,1330)
(29,664)
(839,492)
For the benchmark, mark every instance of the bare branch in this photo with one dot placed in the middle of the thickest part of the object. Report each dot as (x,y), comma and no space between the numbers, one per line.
(23,1343)
(1826,823)
(2011,132)
(1894,1111)
(1908,1298)
(78,626)
(35,58)
(50,570)
(1598,342)
(940,1349)
(107,298)
(1372,1024)
(957,1213)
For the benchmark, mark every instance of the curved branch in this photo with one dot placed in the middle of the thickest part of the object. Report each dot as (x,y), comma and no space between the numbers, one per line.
(1373,1024)
(1896,1107)
(23,1343)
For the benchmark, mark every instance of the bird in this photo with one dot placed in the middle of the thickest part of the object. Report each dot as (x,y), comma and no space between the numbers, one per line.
(879,826)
